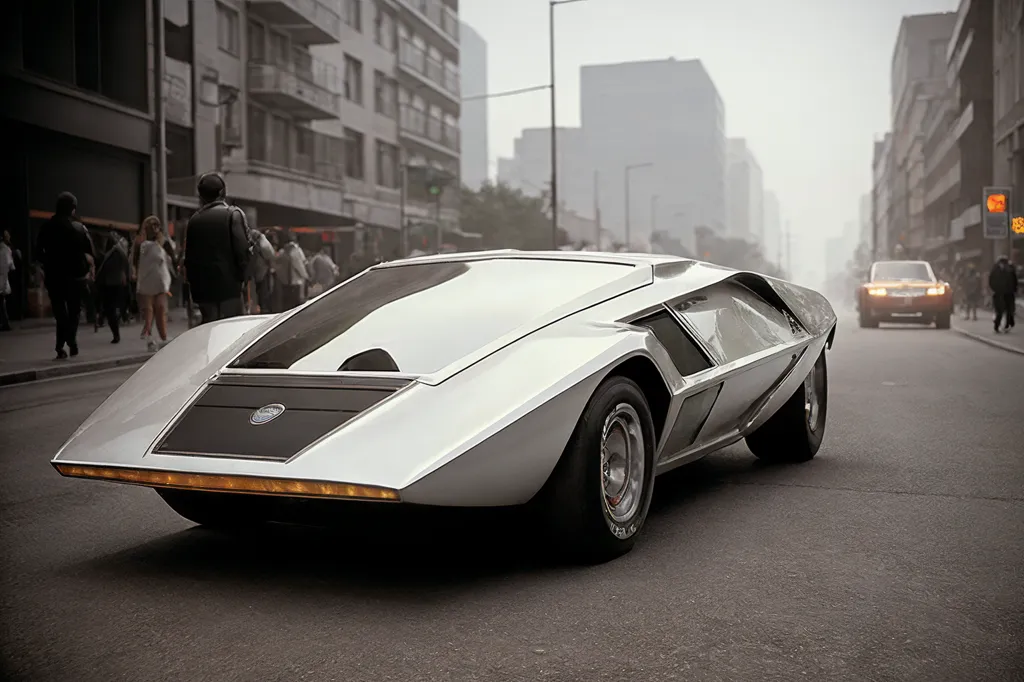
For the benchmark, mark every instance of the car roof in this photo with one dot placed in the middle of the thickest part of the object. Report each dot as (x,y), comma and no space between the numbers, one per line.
(634,259)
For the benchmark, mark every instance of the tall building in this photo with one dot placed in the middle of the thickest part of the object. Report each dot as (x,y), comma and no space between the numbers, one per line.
(881,197)
(864,220)
(658,128)
(744,192)
(918,77)
(529,169)
(1008,75)
(958,144)
(473,120)
(76,115)
(771,247)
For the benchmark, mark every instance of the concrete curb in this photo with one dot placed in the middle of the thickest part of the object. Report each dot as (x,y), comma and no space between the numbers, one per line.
(68,368)
(988,341)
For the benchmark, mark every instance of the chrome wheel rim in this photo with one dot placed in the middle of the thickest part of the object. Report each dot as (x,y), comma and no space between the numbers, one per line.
(622,463)
(812,403)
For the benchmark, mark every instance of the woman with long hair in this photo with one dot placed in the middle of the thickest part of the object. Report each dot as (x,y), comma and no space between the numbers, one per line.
(154,281)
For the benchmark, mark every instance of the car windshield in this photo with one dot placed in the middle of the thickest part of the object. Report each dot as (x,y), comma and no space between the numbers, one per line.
(420,318)
(901,270)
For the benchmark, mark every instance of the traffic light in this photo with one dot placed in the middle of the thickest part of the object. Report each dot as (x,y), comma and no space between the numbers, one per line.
(435,181)
(996,221)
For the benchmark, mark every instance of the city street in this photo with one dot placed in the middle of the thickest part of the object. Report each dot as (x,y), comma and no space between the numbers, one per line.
(896,554)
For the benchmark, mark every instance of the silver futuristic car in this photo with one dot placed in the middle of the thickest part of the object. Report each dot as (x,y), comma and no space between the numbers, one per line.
(561,381)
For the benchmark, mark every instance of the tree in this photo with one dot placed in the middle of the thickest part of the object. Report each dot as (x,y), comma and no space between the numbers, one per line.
(507,218)
(733,252)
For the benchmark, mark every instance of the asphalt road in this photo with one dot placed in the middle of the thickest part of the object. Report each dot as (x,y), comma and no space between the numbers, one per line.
(897,554)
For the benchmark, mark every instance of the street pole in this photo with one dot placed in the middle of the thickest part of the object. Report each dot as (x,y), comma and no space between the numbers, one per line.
(627,206)
(160,115)
(597,212)
(654,213)
(437,220)
(403,228)
(1011,157)
(554,129)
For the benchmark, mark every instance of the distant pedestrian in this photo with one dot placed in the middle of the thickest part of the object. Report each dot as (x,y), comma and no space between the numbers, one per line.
(290,268)
(65,251)
(154,282)
(112,282)
(1002,280)
(261,270)
(6,268)
(217,252)
(323,272)
(973,290)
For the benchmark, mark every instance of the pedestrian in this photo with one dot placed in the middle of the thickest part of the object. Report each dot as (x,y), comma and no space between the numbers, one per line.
(324,272)
(217,250)
(6,268)
(65,251)
(111,281)
(972,291)
(292,275)
(154,282)
(260,269)
(1002,280)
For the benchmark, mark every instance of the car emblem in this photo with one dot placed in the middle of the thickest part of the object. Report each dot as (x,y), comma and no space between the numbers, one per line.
(266,414)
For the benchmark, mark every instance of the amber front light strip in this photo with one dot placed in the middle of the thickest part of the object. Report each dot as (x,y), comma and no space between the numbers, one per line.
(229,484)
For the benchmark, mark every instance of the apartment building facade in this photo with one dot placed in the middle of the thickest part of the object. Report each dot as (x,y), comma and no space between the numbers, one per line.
(473,119)
(1008,104)
(918,77)
(881,197)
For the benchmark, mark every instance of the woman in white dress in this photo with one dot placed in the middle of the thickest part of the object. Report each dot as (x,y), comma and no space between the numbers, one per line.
(153,281)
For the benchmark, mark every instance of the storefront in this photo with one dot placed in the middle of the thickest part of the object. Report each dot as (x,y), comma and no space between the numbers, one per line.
(112,186)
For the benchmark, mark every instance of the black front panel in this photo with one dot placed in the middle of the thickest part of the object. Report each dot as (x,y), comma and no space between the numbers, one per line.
(685,354)
(692,416)
(218,423)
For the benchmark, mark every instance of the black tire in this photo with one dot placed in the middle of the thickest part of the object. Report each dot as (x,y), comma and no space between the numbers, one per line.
(788,436)
(942,320)
(572,503)
(866,321)
(214,510)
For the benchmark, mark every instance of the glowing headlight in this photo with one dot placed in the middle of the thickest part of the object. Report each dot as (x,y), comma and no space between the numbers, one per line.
(936,291)
(877,292)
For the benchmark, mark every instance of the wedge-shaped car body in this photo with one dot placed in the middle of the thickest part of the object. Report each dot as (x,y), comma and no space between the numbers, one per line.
(561,381)
(904,291)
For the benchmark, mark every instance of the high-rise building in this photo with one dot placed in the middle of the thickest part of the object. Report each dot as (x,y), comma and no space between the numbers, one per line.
(473,120)
(658,129)
(744,192)
(881,197)
(918,77)
(771,246)
(529,169)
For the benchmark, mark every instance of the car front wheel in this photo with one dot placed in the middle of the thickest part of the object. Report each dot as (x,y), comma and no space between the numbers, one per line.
(794,433)
(598,496)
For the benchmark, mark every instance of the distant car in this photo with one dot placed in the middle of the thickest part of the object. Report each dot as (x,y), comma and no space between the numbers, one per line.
(904,291)
(558,380)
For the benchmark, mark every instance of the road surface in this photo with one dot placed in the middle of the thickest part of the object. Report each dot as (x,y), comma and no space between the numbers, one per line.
(897,554)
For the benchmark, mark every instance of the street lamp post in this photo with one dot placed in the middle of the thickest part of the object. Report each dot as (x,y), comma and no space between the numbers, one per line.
(554,134)
(629,169)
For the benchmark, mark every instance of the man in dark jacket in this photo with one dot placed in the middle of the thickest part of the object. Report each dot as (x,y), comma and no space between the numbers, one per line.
(66,253)
(1002,280)
(111,280)
(217,252)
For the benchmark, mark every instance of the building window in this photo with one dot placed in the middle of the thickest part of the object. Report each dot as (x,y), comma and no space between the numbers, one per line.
(231,125)
(385,94)
(353,14)
(353,80)
(383,27)
(257,43)
(387,165)
(280,134)
(227,29)
(257,134)
(355,155)
(279,49)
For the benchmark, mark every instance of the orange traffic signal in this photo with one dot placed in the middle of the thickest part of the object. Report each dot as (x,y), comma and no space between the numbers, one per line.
(996,203)
(1017,225)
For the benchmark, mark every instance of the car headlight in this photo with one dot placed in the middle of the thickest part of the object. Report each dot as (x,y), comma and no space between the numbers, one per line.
(936,291)
(877,292)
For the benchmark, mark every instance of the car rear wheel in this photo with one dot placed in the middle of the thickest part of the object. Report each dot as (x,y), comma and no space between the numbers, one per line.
(942,320)
(214,510)
(597,498)
(794,433)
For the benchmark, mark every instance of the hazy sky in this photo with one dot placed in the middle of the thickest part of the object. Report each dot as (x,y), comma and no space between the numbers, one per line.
(805,81)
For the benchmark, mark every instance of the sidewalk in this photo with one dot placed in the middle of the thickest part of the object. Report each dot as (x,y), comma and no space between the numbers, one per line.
(981,330)
(27,354)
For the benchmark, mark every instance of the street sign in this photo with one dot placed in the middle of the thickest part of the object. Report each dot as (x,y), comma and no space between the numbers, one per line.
(996,220)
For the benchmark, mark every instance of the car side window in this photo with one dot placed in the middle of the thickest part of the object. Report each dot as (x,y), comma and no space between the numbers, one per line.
(685,354)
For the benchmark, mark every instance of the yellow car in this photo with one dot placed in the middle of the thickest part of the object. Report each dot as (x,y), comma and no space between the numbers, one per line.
(904,291)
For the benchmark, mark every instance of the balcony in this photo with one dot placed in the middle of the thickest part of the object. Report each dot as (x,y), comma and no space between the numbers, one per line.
(302,86)
(436,16)
(304,152)
(429,130)
(310,22)
(414,60)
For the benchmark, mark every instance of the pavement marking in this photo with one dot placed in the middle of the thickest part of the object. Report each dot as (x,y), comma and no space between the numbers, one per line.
(992,342)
